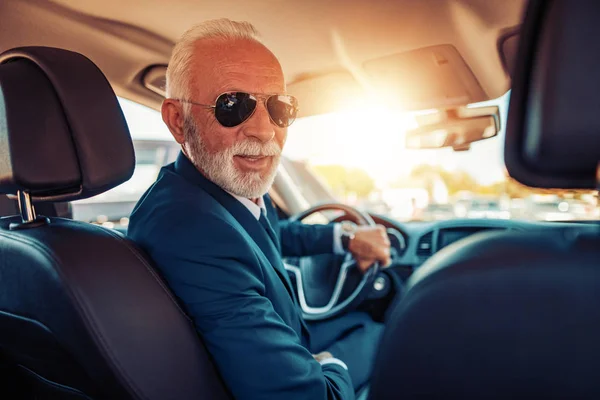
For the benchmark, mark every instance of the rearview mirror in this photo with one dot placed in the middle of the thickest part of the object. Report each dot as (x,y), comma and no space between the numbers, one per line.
(456,128)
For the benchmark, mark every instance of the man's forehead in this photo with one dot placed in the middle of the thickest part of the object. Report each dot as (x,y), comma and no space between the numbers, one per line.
(249,78)
(243,65)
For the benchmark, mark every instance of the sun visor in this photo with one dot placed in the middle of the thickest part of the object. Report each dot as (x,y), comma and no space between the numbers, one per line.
(553,128)
(430,77)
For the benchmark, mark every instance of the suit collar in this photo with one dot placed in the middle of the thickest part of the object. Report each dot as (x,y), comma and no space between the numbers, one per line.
(185,168)
(254,208)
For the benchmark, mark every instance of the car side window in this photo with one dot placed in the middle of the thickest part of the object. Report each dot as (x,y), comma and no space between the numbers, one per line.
(154,147)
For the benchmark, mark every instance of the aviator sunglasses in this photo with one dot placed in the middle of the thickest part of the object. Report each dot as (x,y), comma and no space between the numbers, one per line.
(234,108)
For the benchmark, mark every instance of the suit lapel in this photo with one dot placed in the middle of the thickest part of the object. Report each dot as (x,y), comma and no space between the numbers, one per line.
(273,220)
(272,215)
(245,218)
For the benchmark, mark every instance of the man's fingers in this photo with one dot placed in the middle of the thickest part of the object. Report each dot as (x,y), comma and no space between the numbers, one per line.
(386,261)
(382,231)
(371,244)
(384,257)
(370,248)
(364,264)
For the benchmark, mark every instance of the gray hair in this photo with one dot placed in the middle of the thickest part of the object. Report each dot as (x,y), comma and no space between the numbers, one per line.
(177,73)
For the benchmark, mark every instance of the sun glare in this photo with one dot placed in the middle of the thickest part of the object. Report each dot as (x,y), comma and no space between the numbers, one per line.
(373,134)
(368,135)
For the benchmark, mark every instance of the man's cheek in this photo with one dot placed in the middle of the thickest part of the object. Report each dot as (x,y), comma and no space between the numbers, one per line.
(281,138)
(216,137)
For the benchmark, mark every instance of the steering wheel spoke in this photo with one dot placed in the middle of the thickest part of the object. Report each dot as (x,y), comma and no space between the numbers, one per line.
(336,303)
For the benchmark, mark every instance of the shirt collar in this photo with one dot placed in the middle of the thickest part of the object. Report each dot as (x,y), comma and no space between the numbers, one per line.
(254,208)
(186,168)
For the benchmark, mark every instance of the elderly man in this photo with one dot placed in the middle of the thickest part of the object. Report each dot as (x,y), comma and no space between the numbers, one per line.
(212,230)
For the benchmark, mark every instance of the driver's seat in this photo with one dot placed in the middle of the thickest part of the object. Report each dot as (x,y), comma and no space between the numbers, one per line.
(82,312)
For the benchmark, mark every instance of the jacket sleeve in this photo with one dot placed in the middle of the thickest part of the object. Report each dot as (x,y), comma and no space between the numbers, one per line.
(298,239)
(257,354)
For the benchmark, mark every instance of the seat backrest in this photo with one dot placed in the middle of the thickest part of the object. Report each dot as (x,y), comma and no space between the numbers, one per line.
(82,312)
(498,315)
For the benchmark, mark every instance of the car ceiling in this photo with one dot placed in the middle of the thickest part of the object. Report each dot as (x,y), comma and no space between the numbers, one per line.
(125,38)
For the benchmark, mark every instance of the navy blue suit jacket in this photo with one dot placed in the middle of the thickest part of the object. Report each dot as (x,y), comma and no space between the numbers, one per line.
(225,268)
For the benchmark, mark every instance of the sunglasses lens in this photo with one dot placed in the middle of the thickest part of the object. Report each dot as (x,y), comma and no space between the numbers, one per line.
(282,109)
(231,109)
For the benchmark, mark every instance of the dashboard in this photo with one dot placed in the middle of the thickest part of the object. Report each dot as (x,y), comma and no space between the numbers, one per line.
(414,242)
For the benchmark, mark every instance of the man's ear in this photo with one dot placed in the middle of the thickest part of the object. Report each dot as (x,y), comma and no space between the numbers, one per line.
(172,115)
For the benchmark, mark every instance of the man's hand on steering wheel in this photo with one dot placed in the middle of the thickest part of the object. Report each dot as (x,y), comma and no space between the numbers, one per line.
(370,244)
(368,249)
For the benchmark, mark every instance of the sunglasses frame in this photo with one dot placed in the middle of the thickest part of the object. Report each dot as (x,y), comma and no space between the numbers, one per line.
(257,96)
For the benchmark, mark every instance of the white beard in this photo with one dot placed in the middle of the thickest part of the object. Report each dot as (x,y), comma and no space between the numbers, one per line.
(220,168)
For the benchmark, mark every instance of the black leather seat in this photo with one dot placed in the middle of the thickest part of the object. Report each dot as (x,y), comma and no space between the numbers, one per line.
(517,314)
(499,315)
(82,312)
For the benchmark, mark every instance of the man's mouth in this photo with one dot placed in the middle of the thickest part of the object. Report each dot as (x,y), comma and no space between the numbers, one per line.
(252,157)
(253,162)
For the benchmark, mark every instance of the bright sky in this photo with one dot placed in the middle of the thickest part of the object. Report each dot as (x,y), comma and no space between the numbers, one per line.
(369,138)
(373,139)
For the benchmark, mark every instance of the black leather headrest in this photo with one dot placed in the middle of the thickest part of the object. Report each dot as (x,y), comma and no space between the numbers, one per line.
(553,129)
(63,135)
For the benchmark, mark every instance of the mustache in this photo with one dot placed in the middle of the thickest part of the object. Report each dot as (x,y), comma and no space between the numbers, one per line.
(248,147)
(255,149)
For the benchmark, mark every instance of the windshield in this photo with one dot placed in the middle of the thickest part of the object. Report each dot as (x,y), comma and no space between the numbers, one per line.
(360,158)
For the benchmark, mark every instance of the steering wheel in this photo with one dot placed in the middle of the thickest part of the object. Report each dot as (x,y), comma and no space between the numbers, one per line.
(340,284)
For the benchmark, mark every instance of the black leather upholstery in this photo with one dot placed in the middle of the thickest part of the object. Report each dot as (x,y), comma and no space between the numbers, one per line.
(81,307)
(77,143)
(82,312)
(498,315)
(553,130)
(510,314)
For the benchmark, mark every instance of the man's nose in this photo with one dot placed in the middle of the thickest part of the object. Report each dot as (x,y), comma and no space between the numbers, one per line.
(259,126)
